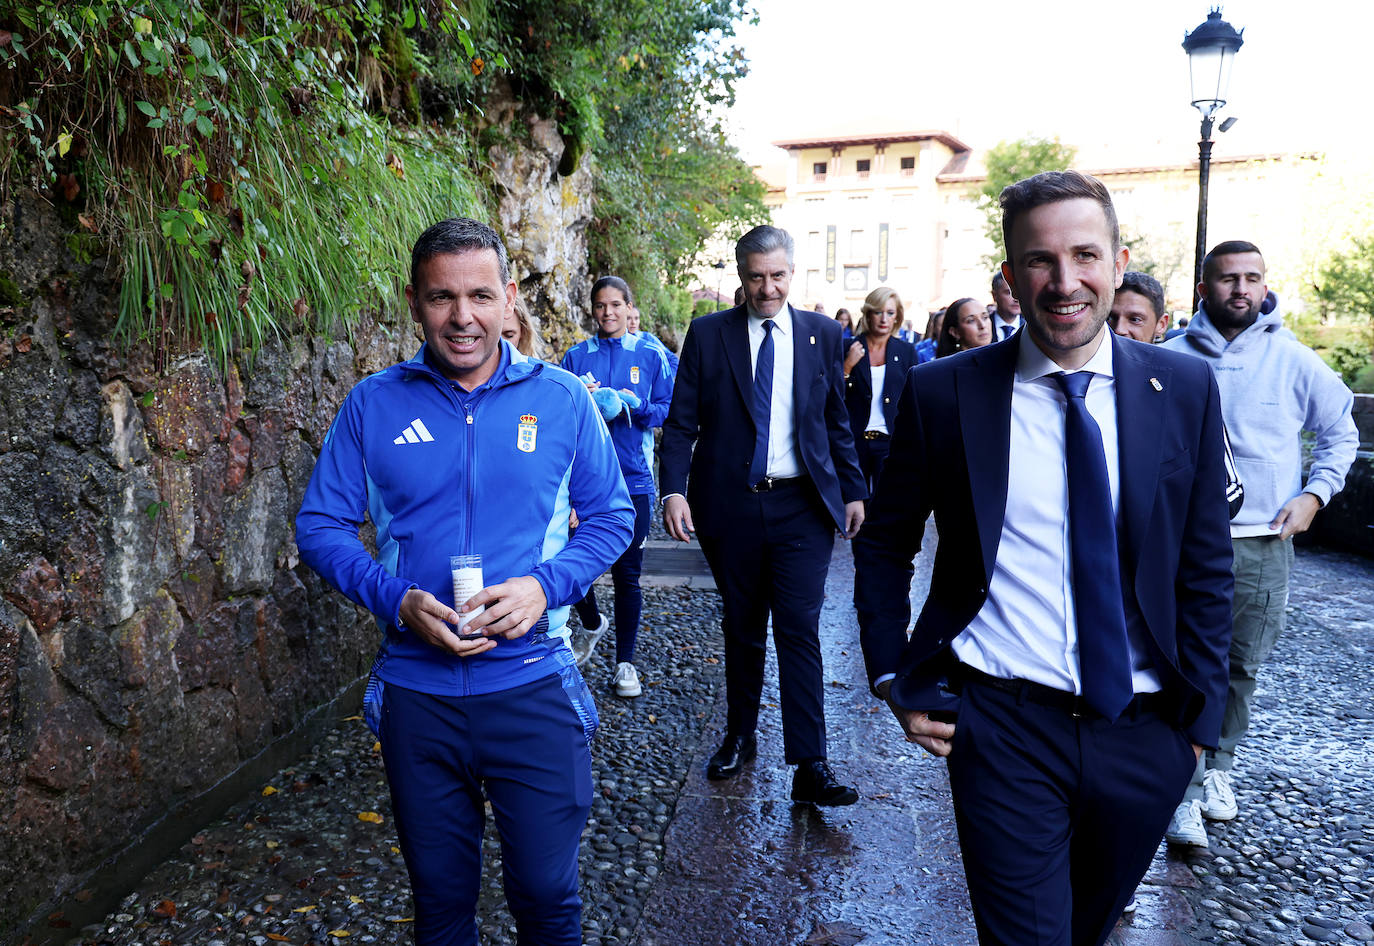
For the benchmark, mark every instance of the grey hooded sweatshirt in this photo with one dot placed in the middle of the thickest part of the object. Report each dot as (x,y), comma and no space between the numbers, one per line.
(1273,388)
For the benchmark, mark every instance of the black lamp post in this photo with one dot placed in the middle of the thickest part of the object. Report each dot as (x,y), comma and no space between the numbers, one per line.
(719,267)
(1211,49)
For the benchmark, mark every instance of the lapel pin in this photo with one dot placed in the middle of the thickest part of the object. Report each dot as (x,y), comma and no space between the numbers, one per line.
(1154,383)
(813,339)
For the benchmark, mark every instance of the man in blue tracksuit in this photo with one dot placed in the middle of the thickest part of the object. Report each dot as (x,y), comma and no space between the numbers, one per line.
(632,384)
(469,448)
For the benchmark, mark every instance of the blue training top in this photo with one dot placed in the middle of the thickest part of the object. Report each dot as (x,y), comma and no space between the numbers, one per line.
(444,472)
(629,362)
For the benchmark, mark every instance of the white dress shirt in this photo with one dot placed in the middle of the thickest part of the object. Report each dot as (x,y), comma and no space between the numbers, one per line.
(782,432)
(1027,628)
(1000,327)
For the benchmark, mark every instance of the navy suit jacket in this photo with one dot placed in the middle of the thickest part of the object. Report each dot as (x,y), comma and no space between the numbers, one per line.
(949,456)
(858,387)
(710,410)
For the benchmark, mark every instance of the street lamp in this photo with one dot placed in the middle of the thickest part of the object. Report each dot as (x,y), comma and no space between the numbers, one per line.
(1211,49)
(719,266)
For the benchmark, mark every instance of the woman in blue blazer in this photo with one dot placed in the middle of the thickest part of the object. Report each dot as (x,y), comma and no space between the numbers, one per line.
(875,368)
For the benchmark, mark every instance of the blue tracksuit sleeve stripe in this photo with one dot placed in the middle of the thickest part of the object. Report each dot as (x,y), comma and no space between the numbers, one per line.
(330,515)
(596,489)
(654,411)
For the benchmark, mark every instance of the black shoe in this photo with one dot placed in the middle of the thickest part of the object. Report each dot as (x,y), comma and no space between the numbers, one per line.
(815,783)
(733,753)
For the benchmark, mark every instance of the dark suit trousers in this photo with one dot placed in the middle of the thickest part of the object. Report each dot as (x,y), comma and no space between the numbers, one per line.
(775,559)
(1058,815)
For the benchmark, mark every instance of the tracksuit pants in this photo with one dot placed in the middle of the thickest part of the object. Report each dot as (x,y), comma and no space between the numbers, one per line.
(527,749)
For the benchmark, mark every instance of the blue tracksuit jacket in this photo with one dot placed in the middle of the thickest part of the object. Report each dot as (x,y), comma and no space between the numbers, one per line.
(632,363)
(442,472)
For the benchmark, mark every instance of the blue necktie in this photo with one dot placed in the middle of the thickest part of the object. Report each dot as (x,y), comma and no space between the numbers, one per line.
(1103,655)
(1007,330)
(763,404)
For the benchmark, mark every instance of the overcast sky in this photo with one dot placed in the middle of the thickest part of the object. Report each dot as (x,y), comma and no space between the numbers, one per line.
(1108,77)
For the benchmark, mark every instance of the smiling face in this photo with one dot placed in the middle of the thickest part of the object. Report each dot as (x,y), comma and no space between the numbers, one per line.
(461,306)
(970,325)
(1133,316)
(1234,289)
(766,279)
(1064,270)
(611,310)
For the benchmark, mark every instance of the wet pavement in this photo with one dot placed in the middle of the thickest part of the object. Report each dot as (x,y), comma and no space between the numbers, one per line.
(671,858)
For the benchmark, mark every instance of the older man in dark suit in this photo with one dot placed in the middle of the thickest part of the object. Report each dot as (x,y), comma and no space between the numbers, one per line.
(1070,688)
(760,393)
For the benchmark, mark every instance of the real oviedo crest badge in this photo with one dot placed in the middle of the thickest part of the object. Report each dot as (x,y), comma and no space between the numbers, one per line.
(634,374)
(525,433)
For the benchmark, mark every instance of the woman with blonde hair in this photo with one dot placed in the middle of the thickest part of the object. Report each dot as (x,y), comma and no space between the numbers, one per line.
(518,329)
(875,369)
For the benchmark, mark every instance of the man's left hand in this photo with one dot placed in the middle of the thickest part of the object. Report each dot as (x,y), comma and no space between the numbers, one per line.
(511,608)
(853,518)
(1296,515)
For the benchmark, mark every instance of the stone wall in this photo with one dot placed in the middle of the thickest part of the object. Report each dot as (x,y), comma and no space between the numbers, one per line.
(1348,522)
(157,632)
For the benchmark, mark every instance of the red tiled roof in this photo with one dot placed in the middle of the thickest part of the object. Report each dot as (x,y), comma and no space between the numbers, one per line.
(879,138)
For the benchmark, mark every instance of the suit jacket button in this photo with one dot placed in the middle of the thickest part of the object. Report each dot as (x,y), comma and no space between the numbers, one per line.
(887,400)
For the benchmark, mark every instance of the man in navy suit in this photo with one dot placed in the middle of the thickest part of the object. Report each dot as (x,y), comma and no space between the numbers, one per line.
(1070,692)
(760,393)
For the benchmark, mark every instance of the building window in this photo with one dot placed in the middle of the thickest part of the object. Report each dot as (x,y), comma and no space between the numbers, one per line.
(856,243)
(862,166)
(909,165)
(818,171)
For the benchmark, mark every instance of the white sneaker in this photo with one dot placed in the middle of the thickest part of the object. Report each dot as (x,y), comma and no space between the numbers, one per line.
(1185,827)
(626,680)
(1130,907)
(1218,801)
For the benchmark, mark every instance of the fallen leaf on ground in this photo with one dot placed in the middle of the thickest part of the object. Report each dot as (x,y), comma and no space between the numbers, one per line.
(268,790)
(273,844)
(165,909)
(653,718)
(277,938)
(371,817)
(348,719)
(339,934)
(304,909)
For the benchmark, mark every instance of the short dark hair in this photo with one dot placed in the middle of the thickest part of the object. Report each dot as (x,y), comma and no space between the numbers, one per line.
(457,235)
(1146,285)
(1228,248)
(764,239)
(613,282)
(1051,187)
(997,277)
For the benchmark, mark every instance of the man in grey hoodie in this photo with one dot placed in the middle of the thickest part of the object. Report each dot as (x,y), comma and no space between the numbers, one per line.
(1273,388)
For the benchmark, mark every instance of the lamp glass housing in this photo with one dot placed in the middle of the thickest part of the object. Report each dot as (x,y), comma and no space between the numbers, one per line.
(1210,71)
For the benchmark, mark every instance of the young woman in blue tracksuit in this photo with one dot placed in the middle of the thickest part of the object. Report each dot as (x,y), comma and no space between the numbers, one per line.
(632,383)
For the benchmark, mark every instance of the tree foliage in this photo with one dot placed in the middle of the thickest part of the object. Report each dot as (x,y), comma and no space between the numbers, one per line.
(631,81)
(1344,282)
(256,163)
(1008,162)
